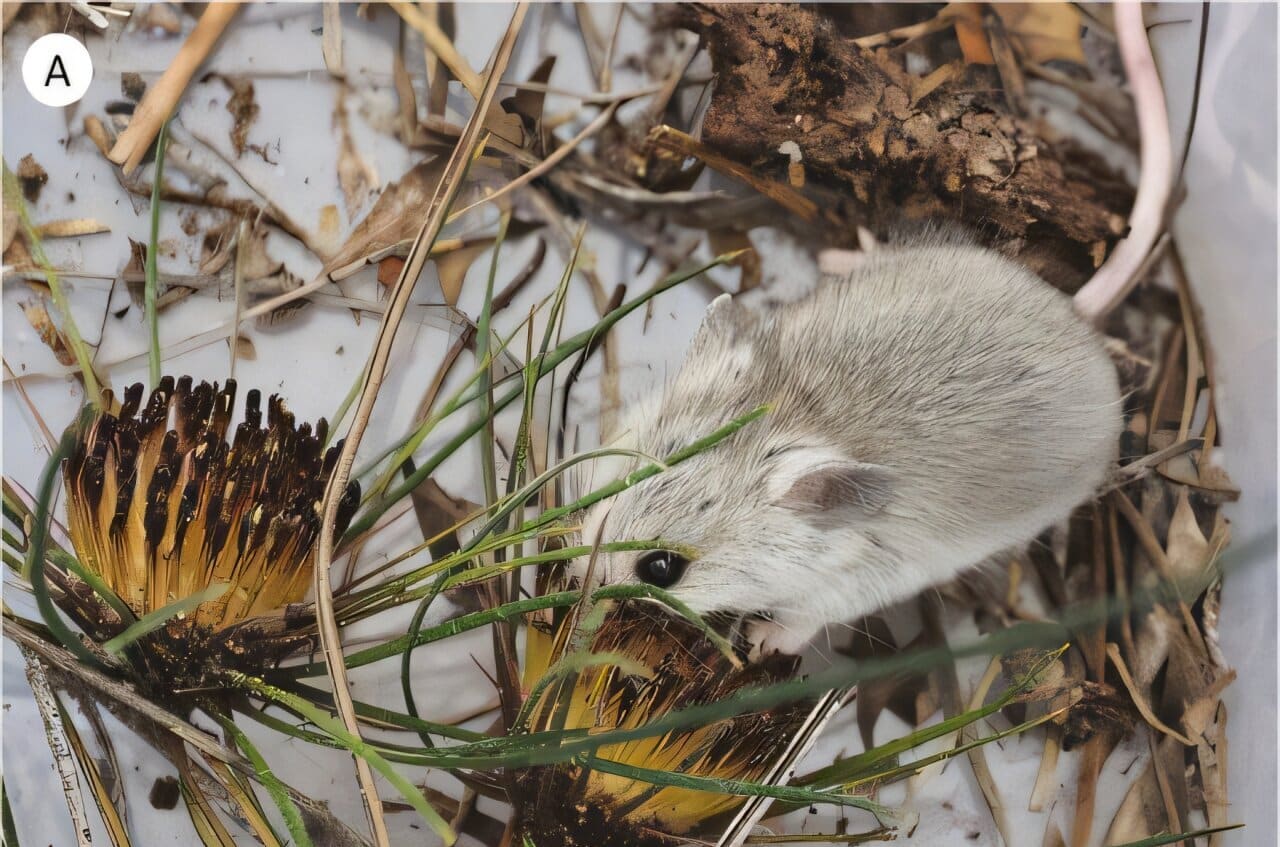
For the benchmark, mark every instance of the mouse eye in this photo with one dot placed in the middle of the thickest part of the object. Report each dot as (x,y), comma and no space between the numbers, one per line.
(662,568)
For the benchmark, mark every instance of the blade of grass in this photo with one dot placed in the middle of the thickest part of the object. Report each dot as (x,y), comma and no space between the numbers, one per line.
(742,788)
(1173,838)
(275,788)
(14,200)
(153,250)
(152,621)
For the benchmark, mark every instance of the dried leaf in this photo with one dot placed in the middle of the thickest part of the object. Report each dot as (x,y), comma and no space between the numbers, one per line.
(331,40)
(1187,549)
(245,349)
(394,218)
(452,267)
(730,240)
(72,227)
(1043,32)
(1141,813)
(356,177)
(243,108)
(1212,752)
(97,132)
(38,316)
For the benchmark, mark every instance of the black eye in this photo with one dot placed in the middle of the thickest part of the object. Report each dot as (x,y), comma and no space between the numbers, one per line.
(662,568)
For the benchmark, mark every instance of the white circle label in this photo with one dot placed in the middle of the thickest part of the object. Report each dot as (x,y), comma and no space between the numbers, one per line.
(57,69)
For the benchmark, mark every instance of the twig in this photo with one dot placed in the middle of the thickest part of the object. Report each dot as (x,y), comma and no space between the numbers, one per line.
(446,191)
(1120,272)
(162,98)
(548,163)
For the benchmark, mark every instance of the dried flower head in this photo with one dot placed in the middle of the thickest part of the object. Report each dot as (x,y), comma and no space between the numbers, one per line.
(570,805)
(161,507)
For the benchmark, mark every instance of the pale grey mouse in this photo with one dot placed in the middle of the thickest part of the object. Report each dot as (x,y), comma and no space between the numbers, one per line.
(938,406)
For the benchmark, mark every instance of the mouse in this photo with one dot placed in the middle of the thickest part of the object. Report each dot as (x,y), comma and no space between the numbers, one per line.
(933,407)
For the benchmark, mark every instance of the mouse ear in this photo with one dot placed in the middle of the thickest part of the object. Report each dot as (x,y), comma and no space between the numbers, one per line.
(725,322)
(819,483)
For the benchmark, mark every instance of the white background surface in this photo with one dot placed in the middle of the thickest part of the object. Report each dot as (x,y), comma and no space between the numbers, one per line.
(1226,230)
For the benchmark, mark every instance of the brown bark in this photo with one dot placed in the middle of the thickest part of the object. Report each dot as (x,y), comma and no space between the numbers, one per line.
(889,145)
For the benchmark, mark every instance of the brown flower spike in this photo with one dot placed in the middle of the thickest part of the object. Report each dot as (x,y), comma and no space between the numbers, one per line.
(161,507)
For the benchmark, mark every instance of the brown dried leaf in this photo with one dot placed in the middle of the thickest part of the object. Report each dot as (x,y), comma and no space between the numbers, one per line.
(730,240)
(245,349)
(452,267)
(1212,752)
(38,316)
(97,132)
(356,177)
(1141,813)
(243,108)
(1188,551)
(71,228)
(967,19)
(1043,32)
(394,218)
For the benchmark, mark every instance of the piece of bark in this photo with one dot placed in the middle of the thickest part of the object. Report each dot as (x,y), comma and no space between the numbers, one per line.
(785,74)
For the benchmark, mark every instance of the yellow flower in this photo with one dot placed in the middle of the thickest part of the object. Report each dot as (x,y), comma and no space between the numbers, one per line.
(568,805)
(161,507)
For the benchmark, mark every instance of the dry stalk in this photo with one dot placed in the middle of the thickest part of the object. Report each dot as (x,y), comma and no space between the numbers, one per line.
(446,191)
(162,98)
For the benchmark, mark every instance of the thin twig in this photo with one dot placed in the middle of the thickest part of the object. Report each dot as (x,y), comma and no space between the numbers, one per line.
(446,191)
(162,98)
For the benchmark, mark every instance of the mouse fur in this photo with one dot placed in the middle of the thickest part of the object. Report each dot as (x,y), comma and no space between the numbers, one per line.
(937,406)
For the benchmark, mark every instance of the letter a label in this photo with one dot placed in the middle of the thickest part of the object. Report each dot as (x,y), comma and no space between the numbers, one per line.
(57,69)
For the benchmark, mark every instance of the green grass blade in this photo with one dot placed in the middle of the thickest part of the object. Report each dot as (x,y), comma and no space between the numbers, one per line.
(1173,838)
(275,788)
(151,274)
(14,200)
(154,620)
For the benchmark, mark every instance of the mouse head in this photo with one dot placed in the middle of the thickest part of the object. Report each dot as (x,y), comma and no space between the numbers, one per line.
(748,526)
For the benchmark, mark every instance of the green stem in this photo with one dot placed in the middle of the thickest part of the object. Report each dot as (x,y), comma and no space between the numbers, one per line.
(153,249)
(279,795)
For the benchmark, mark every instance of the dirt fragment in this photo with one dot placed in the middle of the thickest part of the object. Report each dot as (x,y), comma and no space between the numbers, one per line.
(32,177)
